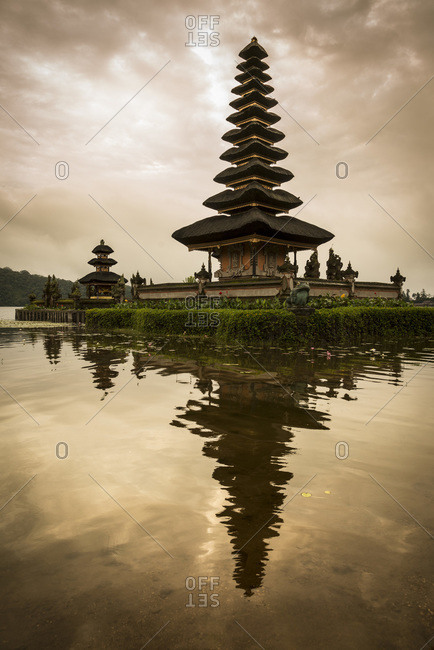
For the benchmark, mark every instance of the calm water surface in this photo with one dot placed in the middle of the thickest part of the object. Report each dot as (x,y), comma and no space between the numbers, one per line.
(300,482)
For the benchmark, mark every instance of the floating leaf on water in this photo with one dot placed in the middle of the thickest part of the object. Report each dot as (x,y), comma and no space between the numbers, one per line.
(306,494)
(327,492)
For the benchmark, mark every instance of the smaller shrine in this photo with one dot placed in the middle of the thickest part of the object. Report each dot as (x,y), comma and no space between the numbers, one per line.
(102,282)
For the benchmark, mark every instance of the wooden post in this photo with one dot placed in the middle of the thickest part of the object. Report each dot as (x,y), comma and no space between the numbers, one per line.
(209,266)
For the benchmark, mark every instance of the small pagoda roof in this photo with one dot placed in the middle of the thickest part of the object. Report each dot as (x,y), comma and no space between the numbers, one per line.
(256,148)
(252,84)
(101,261)
(253,72)
(254,112)
(102,248)
(255,169)
(253,49)
(256,194)
(254,97)
(250,223)
(253,62)
(100,277)
(253,130)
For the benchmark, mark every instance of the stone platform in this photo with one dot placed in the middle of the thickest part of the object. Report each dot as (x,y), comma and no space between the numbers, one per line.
(265,288)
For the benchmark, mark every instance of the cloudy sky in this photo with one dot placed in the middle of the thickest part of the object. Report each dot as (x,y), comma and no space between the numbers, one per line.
(112,89)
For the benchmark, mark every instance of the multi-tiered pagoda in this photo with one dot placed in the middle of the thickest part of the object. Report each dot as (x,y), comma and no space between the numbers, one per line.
(252,233)
(101,281)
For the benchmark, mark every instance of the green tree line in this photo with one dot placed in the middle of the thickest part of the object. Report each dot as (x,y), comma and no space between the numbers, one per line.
(16,286)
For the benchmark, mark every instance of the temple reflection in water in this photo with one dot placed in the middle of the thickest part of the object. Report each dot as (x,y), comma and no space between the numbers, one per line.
(261,416)
(248,423)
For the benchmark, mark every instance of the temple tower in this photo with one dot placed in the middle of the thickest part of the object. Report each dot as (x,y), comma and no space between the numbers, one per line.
(100,282)
(252,232)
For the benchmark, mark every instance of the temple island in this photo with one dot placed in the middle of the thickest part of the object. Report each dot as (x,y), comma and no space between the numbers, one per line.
(253,237)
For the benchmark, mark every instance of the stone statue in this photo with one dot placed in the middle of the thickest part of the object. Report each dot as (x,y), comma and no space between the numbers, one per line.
(287,267)
(311,270)
(118,290)
(334,267)
(349,274)
(298,296)
(398,279)
(202,278)
(136,281)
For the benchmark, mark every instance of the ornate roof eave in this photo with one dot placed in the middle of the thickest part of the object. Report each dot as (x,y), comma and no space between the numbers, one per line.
(100,277)
(251,85)
(255,193)
(253,49)
(257,167)
(252,239)
(252,73)
(254,112)
(254,129)
(252,62)
(101,261)
(254,221)
(102,247)
(253,148)
(254,98)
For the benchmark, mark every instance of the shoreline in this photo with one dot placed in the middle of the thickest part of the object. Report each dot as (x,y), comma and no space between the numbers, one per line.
(7,323)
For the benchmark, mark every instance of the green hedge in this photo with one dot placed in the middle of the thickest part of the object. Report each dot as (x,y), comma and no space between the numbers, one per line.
(358,323)
(259,325)
(109,318)
(343,324)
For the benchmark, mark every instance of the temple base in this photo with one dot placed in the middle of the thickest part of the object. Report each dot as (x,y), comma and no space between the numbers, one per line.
(251,288)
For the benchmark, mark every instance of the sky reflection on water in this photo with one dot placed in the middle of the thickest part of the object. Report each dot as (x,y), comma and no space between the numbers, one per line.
(298,519)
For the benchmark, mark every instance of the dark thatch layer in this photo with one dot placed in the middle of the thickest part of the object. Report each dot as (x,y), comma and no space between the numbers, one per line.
(256,167)
(253,129)
(100,277)
(96,261)
(252,222)
(253,62)
(253,49)
(254,192)
(254,96)
(255,72)
(252,84)
(253,112)
(102,248)
(253,148)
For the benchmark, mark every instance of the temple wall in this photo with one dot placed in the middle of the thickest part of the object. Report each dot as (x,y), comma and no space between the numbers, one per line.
(266,288)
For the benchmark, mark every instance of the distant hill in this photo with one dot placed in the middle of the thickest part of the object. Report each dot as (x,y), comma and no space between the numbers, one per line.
(15,287)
